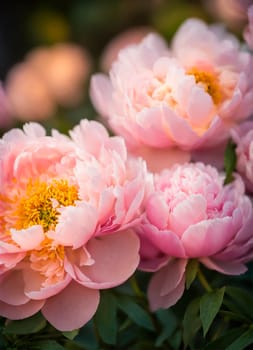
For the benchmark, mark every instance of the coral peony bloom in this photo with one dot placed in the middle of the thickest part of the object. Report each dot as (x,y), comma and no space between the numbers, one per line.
(28,96)
(188,98)
(64,68)
(66,210)
(243,137)
(191,214)
(248,32)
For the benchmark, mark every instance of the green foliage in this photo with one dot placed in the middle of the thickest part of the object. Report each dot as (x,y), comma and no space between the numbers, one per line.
(210,304)
(191,272)
(27,326)
(229,161)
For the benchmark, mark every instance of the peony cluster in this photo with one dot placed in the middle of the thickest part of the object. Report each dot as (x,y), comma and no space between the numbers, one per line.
(66,210)
(81,213)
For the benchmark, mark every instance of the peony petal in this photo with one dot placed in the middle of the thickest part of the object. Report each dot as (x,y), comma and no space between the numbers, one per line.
(12,289)
(208,237)
(101,93)
(226,267)
(116,258)
(166,286)
(29,238)
(18,312)
(72,308)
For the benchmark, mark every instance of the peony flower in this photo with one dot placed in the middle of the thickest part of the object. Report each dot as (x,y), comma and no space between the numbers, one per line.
(192,215)
(5,115)
(243,137)
(28,96)
(67,206)
(248,32)
(64,68)
(187,98)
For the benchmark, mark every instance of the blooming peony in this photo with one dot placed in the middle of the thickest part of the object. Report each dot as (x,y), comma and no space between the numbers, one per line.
(191,214)
(243,137)
(248,32)
(188,97)
(66,210)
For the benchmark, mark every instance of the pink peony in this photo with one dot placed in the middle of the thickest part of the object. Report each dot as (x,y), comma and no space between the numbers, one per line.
(28,95)
(188,98)
(5,114)
(243,137)
(67,206)
(190,215)
(248,32)
(64,68)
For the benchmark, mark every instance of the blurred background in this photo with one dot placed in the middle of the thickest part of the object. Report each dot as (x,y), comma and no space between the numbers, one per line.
(49,49)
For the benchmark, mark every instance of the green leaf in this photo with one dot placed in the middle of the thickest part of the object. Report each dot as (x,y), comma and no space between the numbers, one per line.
(225,340)
(71,335)
(229,161)
(169,322)
(191,272)
(243,341)
(106,318)
(135,312)
(191,321)
(243,299)
(48,345)
(210,305)
(26,326)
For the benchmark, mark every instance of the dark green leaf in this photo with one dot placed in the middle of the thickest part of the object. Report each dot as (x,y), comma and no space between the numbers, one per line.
(48,345)
(106,318)
(210,305)
(191,272)
(135,312)
(229,161)
(191,321)
(27,326)
(225,340)
(169,322)
(243,341)
(71,335)
(243,299)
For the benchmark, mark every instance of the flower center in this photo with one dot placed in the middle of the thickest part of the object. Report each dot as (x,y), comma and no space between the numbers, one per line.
(40,203)
(209,82)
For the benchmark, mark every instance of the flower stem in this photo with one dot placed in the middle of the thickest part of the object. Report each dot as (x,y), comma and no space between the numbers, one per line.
(135,287)
(203,281)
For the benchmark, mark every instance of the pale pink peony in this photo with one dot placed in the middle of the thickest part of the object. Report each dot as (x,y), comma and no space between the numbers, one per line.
(28,95)
(67,206)
(243,137)
(64,68)
(188,98)
(191,214)
(248,32)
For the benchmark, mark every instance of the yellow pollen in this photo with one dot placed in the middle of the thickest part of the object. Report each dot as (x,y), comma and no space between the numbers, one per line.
(210,83)
(40,203)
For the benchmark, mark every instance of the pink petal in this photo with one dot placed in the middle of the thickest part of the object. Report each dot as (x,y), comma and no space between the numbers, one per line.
(116,258)
(167,285)
(100,93)
(29,238)
(18,312)
(193,210)
(208,237)
(12,289)
(72,308)
(76,225)
(167,241)
(226,267)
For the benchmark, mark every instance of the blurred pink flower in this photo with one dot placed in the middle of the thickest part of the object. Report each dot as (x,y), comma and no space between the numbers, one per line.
(123,39)
(191,214)
(28,94)
(64,68)
(187,98)
(248,32)
(243,137)
(66,210)
(5,114)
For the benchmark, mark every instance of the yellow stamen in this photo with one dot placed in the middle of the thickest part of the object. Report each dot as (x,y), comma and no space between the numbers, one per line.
(210,83)
(40,203)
